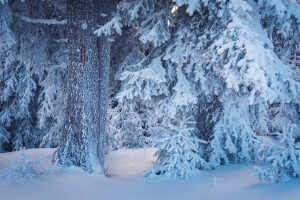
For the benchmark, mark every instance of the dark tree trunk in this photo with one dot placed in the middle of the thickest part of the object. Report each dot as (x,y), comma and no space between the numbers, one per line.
(82,140)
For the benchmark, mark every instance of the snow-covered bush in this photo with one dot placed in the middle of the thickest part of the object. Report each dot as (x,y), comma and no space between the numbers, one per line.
(25,167)
(178,153)
(284,159)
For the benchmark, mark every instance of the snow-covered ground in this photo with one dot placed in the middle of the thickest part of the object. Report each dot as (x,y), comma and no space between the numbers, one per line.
(124,168)
(129,163)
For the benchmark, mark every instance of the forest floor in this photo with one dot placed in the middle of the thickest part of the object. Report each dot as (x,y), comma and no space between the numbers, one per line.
(124,182)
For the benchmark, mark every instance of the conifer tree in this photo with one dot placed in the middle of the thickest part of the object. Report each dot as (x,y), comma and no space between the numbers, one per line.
(33,76)
(216,51)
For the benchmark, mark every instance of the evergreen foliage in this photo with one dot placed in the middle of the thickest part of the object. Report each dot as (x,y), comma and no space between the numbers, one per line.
(26,167)
(215,49)
(284,159)
(32,75)
(178,151)
(233,65)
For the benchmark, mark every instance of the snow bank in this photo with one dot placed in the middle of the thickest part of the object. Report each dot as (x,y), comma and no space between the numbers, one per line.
(228,182)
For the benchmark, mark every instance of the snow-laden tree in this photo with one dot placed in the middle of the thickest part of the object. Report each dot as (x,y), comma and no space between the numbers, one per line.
(146,80)
(281,21)
(32,98)
(280,18)
(17,97)
(178,152)
(246,72)
(7,42)
(26,167)
(129,124)
(284,159)
(48,60)
(52,100)
(208,51)
(128,121)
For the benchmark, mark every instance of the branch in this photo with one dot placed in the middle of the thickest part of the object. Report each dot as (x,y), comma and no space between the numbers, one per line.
(42,21)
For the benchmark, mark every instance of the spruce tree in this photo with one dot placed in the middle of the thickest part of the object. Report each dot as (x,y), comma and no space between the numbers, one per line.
(209,51)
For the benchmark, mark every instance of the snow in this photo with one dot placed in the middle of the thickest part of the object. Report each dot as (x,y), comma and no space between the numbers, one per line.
(227,182)
(128,163)
(42,21)
(109,28)
(84,26)
(274,141)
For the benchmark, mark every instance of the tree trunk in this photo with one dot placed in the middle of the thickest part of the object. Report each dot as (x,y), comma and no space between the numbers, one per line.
(82,140)
(104,8)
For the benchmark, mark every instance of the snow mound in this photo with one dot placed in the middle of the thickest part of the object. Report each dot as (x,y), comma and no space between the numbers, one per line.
(128,163)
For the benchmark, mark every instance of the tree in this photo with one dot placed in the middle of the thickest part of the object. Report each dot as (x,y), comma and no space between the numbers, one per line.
(130,121)
(82,142)
(179,150)
(209,51)
(284,159)
(282,27)
(33,68)
(7,41)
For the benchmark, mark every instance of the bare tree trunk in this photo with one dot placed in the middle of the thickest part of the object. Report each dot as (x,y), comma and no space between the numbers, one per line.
(82,140)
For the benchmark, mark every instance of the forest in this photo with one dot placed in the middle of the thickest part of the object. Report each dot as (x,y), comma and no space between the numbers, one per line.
(201,84)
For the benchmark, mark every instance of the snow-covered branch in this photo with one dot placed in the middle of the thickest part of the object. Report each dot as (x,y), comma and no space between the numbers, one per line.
(112,26)
(42,21)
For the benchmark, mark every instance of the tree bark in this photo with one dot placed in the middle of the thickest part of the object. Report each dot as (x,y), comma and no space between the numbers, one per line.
(104,8)
(82,140)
